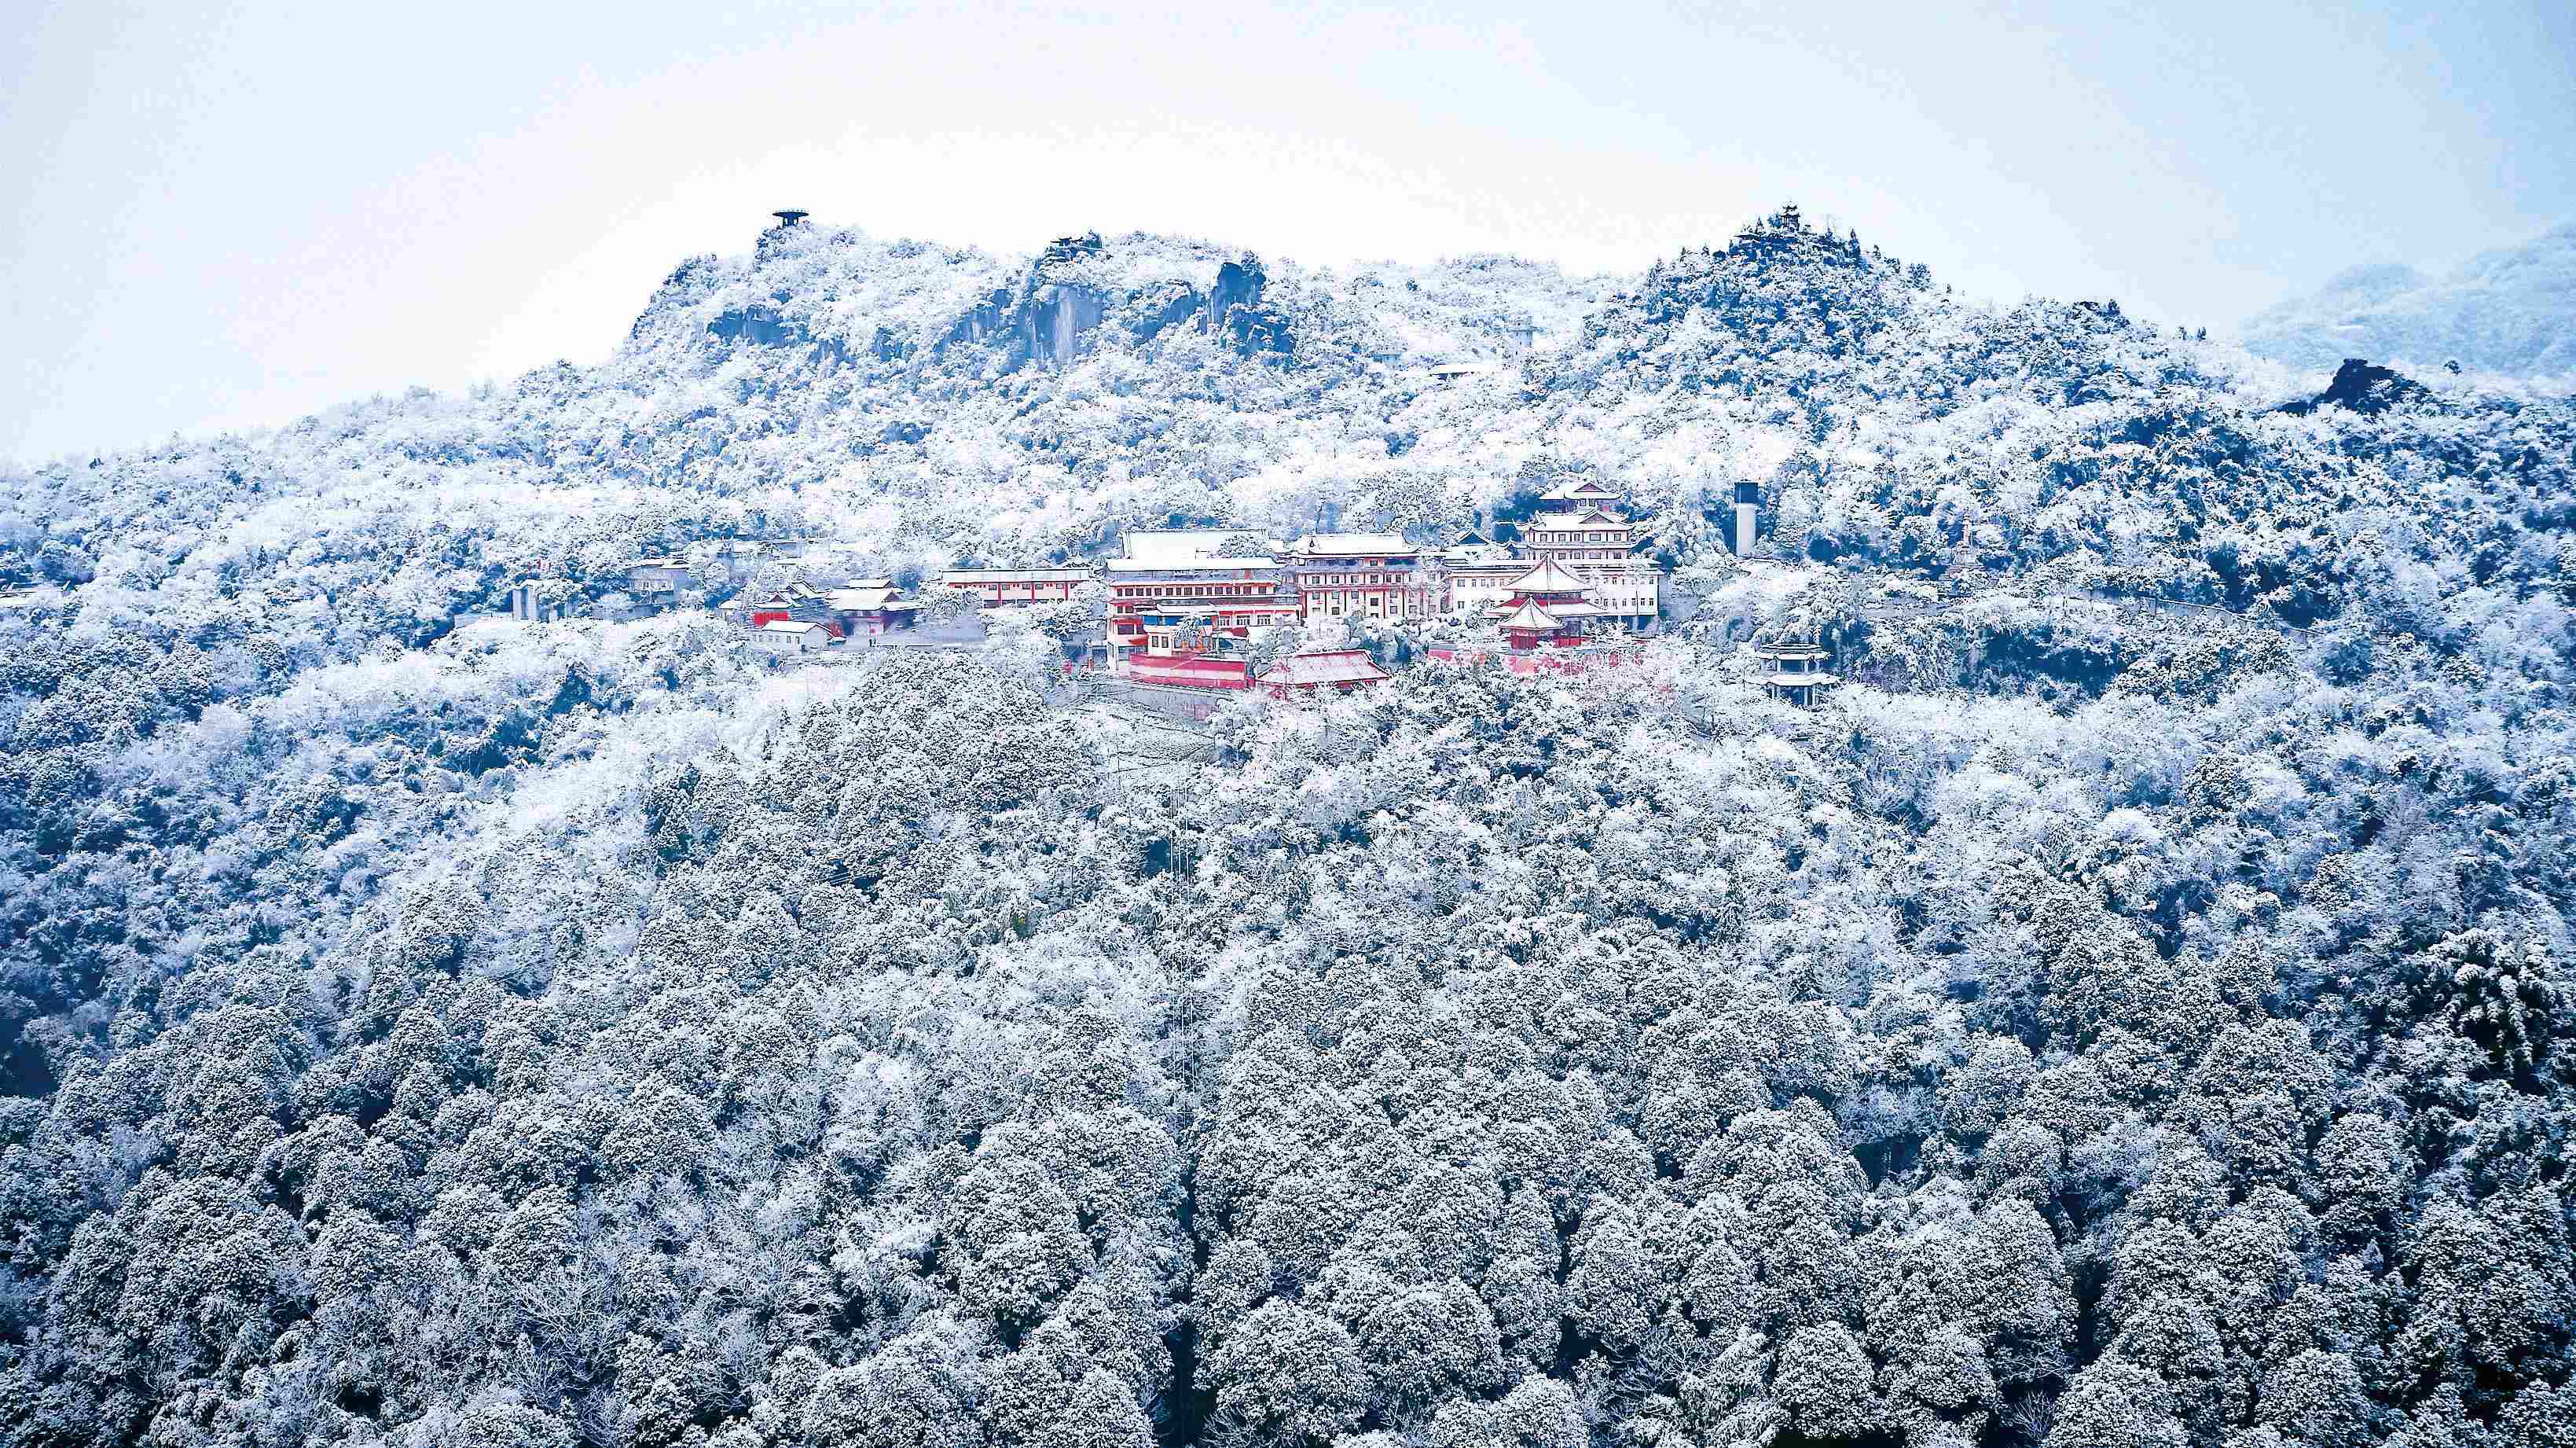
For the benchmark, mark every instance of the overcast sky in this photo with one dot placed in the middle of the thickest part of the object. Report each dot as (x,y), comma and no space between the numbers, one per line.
(223,215)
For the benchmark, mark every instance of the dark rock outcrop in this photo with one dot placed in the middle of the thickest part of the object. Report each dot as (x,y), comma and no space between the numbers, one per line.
(1057,319)
(988,319)
(1058,311)
(1183,303)
(2361,387)
(761,325)
(1056,315)
(1236,311)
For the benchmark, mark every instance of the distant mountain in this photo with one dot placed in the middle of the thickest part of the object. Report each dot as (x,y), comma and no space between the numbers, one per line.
(2511,311)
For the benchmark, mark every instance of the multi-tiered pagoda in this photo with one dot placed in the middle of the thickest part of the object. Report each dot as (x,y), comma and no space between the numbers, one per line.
(1584,527)
(1545,607)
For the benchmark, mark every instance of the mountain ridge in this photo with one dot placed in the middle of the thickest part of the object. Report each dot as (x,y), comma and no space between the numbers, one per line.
(2130,1013)
(2509,311)
(827,374)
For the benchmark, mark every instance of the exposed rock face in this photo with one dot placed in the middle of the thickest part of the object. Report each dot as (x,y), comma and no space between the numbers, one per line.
(2360,387)
(1181,304)
(1064,305)
(760,325)
(1056,320)
(1238,284)
(1236,310)
(987,319)
(1058,307)
(1074,294)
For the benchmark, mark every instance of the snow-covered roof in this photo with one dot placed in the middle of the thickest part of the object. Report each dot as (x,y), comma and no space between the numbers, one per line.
(1340,545)
(1580,490)
(1149,549)
(1328,666)
(789,626)
(867,599)
(1561,609)
(1530,616)
(1015,575)
(1547,577)
(1591,517)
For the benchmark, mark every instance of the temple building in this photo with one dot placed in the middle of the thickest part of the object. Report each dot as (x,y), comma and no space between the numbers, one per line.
(1193,593)
(1533,625)
(1583,525)
(1476,573)
(1587,493)
(656,579)
(1546,623)
(1005,587)
(789,636)
(1186,671)
(870,606)
(1320,674)
(797,601)
(1361,576)
(1546,606)
(1794,670)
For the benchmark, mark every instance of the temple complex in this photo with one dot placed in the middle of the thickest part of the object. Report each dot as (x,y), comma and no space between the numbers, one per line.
(1360,576)
(1584,527)
(1189,591)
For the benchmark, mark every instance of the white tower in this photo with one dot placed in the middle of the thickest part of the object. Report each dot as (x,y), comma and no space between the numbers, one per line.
(1748,507)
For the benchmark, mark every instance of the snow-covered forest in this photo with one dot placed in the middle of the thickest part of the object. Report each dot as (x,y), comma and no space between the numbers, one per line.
(2112,1026)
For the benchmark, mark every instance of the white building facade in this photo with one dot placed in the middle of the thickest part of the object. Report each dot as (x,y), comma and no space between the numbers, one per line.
(787,636)
(1360,576)
(1584,528)
(1005,587)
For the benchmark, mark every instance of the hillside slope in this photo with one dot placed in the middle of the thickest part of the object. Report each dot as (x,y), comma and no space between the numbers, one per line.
(2136,1018)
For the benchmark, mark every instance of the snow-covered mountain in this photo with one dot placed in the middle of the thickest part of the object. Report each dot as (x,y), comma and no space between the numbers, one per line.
(2133,1012)
(2511,312)
(917,405)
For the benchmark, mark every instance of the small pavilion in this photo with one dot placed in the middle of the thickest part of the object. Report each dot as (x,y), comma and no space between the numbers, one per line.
(1794,670)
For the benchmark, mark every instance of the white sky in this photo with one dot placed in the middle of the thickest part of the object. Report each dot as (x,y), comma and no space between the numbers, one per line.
(223,215)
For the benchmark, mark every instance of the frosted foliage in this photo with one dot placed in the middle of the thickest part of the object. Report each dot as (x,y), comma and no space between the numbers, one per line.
(2131,1011)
